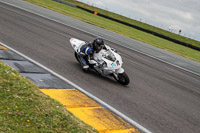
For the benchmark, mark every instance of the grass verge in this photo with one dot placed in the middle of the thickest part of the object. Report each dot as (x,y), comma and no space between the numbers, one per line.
(118,28)
(137,23)
(25,109)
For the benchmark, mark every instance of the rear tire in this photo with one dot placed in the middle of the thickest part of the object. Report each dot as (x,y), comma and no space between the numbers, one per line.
(123,78)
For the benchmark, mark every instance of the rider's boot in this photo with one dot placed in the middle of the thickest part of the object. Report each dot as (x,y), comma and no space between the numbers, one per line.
(84,64)
(85,67)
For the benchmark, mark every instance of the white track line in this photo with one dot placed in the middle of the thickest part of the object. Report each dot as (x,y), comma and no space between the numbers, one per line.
(141,128)
(79,88)
(185,69)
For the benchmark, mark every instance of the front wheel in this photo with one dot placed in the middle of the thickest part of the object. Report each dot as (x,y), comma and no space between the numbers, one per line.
(123,78)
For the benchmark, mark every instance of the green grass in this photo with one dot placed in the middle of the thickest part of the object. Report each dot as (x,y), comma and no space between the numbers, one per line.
(137,23)
(122,29)
(25,109)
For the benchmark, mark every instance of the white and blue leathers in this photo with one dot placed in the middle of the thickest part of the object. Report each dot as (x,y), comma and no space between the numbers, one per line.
(86,50)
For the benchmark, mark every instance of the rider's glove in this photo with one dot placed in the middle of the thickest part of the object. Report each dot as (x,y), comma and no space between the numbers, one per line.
(114,50)
(91,54)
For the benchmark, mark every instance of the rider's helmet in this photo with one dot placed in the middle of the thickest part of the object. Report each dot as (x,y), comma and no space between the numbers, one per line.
(98,44)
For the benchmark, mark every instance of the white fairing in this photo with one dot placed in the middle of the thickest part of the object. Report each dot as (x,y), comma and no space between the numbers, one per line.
(109,60)
(112,61)
(120,70)
(76,44)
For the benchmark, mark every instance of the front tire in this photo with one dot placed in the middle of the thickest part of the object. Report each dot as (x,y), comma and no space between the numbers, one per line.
(123,78)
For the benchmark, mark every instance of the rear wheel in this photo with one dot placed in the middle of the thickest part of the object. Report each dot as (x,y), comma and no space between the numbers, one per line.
(123,78)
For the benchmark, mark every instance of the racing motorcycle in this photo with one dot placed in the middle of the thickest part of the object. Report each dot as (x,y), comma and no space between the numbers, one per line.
(106,62)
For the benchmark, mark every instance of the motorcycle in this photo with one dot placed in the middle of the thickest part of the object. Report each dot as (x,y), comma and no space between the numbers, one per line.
(106,62)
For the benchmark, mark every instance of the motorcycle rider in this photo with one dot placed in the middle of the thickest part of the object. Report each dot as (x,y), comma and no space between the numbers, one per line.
(87,51)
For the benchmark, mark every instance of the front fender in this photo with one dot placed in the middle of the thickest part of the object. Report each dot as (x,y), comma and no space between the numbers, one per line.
(120,70)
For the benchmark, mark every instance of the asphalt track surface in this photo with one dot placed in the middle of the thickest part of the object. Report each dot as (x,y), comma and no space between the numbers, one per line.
(160,97)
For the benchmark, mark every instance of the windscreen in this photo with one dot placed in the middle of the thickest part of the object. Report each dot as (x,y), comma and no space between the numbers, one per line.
(110,56)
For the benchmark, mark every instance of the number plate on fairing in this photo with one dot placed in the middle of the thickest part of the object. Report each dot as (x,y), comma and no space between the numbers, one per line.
(113,64)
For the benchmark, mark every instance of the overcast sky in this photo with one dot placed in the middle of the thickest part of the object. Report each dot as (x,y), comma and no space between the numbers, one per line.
(170,15)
